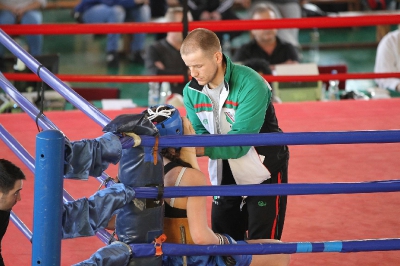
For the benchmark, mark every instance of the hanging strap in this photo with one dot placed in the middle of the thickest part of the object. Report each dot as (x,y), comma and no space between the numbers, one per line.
(158,244)
(155,150)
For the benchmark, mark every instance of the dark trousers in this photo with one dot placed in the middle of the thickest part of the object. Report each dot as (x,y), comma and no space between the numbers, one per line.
(261,216)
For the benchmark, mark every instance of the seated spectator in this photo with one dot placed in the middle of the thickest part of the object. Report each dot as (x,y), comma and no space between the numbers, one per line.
(115,11)
(388,60)
(163,57)
(285,9)
(265,43)
(381,30)
(139,12)
(158,8)
(23,12)
(88,11)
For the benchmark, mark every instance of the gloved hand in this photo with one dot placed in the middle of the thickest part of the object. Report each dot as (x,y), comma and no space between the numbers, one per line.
(136,123)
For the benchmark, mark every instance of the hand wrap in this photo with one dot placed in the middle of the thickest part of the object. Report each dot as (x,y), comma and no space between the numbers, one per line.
(129,140)
(225,239)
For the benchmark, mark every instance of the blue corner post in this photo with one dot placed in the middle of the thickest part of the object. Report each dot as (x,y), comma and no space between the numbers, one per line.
(47,205)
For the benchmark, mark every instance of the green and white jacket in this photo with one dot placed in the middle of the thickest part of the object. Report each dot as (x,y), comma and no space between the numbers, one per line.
(244,103)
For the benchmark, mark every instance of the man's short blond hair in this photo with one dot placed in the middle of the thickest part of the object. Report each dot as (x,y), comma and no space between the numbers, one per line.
(203,39)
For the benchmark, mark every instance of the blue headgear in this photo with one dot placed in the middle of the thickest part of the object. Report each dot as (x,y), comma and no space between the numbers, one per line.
(172,125)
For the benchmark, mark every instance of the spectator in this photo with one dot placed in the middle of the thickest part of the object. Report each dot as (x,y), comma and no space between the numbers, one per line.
(115,11)
(381,30)
(163,57)
(266,44)
(286,9)
(88,11)
(158,8)
(388,60)
(23,12)
(11,181)
(139,12)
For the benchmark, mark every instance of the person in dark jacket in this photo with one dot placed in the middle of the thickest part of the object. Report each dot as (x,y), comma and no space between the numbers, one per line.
(163,56)
(114,11)
(11,181)
(265,43)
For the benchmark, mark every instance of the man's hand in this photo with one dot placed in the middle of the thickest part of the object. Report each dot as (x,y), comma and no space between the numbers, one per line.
(215,15)
(77,16)
(205,15)
(159,65)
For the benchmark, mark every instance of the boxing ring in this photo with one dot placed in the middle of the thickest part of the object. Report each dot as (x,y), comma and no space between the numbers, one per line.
(305,138)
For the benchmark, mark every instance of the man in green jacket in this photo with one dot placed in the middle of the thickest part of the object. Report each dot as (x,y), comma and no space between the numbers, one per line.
(226,98)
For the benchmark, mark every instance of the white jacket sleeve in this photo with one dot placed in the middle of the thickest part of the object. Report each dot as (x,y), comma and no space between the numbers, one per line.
(388,59)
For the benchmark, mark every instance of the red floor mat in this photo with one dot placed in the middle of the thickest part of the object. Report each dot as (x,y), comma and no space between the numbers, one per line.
(309,218)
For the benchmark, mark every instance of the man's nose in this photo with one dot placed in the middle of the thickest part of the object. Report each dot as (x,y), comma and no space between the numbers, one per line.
(194,73)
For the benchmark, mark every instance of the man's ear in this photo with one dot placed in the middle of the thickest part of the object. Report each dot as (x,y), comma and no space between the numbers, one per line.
(219,57)
(1,200)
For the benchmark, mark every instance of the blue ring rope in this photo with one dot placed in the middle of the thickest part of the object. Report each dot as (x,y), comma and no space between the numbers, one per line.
(271,139)
(343,246)
(273,189)
(21,226)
